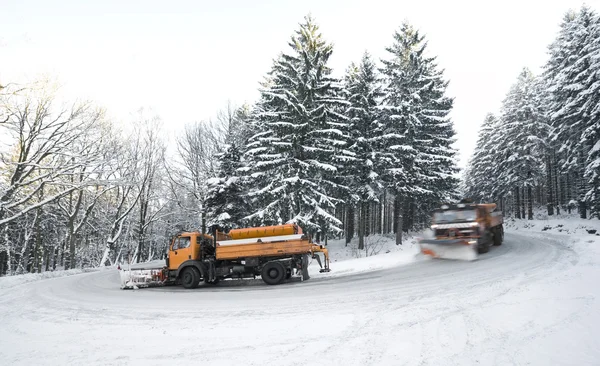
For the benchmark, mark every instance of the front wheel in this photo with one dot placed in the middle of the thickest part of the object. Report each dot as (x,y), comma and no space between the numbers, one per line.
(483,245)
(190,278)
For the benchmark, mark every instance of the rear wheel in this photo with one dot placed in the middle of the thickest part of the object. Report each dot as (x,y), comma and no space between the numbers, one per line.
(273,273)
(190,278)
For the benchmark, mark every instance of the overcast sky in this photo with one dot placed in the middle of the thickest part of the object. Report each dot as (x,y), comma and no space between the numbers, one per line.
(186,59)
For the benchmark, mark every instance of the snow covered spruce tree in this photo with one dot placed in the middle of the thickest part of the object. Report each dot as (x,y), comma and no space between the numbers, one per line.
(522,146)
(573,96)
(226,204)
(294,157)
(591,135)
(482,166)
(364,94)
(415,131)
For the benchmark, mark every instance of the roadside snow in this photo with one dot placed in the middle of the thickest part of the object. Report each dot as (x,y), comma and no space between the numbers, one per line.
(380,252)
(16,280)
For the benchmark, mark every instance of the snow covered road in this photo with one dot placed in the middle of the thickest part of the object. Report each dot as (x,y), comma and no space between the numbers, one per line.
(533,300)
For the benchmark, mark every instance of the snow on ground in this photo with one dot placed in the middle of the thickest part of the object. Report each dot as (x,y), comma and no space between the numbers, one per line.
(535,300)
(17,280)
(380,252)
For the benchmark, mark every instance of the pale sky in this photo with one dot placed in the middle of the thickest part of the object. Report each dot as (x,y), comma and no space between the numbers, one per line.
(186,59)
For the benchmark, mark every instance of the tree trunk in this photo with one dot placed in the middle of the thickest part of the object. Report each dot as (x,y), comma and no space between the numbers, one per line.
(523,202)
(385,213)
(398,208)
(366,218)
(529,204)
(3,262)
(37,254)
(349,223)
(63,244)
(71,244)
(361,226)
(3,253)
(399,231)
(7,251)
(55,257)
(517,203)
(549,193)
(380,216)
(582,188)
(142,229)
(397,212)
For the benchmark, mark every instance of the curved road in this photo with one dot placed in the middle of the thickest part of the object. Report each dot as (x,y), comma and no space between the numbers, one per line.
(497,310)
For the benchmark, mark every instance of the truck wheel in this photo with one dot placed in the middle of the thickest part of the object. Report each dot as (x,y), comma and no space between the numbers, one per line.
(498,236)
(483,246)
(273,273)
(190,278)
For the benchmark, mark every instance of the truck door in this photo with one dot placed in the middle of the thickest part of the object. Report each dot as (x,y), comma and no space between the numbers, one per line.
(181,251)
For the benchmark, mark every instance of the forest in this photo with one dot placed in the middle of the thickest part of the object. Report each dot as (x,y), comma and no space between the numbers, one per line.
(543,147)
(369,153)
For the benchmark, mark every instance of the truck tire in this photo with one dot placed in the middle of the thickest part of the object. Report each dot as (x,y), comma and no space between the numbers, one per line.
(498,235)
(190,277)
(273,273)
(483,246)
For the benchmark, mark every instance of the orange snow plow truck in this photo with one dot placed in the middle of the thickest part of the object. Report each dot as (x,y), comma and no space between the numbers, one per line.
(271,252)
(464,230)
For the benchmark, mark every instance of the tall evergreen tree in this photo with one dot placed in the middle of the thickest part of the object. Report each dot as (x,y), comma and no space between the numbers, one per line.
(591,109)
(524,133)
(482,164)
(568,73)
(415,130)
(364,94)
(294,157)
(226,204)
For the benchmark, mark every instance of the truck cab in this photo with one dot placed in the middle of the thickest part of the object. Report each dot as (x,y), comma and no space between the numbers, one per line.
(188,246)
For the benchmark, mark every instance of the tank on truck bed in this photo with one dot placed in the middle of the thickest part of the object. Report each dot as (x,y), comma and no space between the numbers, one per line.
(274,253)
(463,231)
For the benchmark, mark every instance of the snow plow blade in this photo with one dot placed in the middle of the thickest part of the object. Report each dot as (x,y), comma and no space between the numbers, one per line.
(141,278)
(459,249)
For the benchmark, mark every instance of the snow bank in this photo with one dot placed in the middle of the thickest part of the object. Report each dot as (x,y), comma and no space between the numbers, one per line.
(381,252)
(16,280)
(563,224)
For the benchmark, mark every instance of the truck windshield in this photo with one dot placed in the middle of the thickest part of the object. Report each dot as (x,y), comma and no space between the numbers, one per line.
(453,216)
